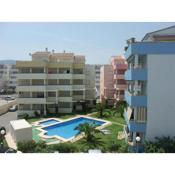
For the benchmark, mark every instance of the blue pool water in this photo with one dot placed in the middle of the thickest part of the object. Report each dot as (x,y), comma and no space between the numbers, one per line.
(66,129)
(49,122)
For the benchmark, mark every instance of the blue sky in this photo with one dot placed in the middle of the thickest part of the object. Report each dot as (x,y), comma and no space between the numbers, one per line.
(97,41)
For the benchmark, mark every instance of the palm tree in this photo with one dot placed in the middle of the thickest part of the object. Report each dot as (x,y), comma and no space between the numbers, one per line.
(110,112)
(120,109)
(100,108)
(90,140)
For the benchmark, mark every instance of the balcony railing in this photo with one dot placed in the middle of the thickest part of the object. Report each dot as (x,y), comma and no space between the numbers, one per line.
(135,101)
(134,125)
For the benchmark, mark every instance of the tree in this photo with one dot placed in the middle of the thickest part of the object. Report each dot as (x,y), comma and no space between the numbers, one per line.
(90,140)
(100,108)
(120,109)
(110,112)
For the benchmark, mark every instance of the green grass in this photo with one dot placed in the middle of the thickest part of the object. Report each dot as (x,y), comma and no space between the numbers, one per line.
(107,139)
(117,125)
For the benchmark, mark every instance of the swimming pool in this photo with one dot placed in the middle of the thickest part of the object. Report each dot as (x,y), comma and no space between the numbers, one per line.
(48,122)
(66,129)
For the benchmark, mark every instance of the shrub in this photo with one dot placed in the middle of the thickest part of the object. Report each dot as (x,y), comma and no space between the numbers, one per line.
(36,113)
(23,116)
(27,147)
(32,147)
(114,147)
(64,148)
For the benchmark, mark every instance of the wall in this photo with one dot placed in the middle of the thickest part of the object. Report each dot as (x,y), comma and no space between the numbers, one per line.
(161,96)
(5,107)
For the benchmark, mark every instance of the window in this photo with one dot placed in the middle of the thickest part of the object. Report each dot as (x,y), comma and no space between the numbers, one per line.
(37,107)
(77,92)
(78,71)
(64,82)
(77,82)
(64,70)
(38,94)
(64,104)
(38,82)
(52,82)
(38,70)
(24,70)
(64,93)
(51,94)
(52,70)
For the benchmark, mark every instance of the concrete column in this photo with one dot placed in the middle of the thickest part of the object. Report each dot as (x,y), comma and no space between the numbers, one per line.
(56,97)
(135,113)
(136,60)
(44,109)
(134,138)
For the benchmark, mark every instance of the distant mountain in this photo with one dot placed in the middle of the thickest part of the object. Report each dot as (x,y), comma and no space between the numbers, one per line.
(9,62)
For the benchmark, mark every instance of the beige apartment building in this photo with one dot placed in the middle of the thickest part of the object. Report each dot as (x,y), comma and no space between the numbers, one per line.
(54,83)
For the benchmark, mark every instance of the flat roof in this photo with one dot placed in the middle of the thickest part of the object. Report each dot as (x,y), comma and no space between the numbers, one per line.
(20,124)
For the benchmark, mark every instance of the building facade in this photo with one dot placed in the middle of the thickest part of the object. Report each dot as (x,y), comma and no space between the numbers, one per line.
(107,85)
(97,79)
(8,74)
(150,86)
(54,83)
(119,66)
(112,83)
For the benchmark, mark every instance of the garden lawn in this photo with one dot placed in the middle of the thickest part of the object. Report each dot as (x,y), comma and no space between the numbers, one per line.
(117,125)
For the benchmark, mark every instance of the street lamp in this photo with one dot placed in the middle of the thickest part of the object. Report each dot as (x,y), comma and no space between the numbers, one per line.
(137,143)
(2,134)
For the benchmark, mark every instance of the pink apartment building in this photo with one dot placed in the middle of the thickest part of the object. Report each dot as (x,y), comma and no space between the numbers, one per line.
(112,83)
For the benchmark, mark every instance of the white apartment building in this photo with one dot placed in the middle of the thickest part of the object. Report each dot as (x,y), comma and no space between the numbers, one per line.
(8,75)
(13,71)
(54,82)
(151,83)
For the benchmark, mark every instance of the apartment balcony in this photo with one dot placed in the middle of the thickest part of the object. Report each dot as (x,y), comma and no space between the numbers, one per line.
(78,87)
(31,100)
(78,98)
(60,87)
(51,99)
(120,86)
(134,126)
(119,97)
(141,48)
(78,76)
(31,76)
(121,66)
(31,88)
(136,74)
(59,76)
(65,99)
(135,101)
(119,76)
